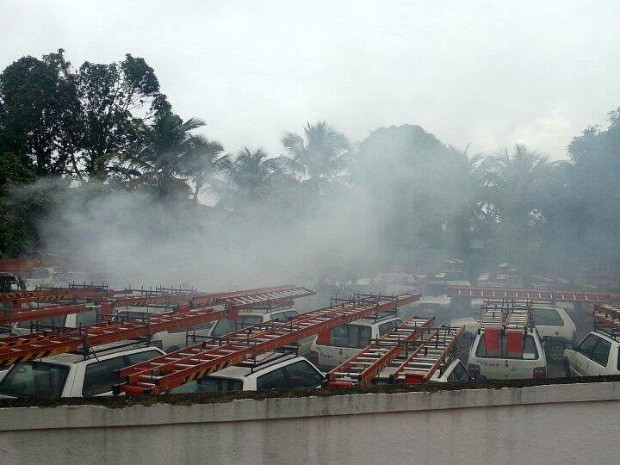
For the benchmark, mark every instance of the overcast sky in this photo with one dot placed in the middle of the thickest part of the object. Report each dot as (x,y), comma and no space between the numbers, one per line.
(489,73)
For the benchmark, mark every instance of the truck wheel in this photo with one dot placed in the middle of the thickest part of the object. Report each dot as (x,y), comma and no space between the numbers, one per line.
(555,352)
(172,348)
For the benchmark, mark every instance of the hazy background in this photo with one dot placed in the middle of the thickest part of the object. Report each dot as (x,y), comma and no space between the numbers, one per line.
(487,73)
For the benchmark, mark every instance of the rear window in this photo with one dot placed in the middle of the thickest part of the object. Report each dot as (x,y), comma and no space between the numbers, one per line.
(212,384)
(389,326)
(35,380)
(55,322)
(459,374)
(548,317)
(81,319)
(352,336)
(529,352)
(224,326)
(85,318)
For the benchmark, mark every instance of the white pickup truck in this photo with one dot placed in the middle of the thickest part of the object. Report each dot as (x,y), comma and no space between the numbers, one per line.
(73,374)
(597,355)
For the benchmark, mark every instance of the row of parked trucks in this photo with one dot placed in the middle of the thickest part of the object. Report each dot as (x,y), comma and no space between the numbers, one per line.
(257,340)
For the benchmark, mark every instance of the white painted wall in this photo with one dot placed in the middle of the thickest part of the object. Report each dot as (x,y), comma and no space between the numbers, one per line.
(563,424)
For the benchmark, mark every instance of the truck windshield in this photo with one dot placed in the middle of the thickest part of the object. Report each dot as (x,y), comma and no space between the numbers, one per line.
(40,273)
(212,384)
(35,380)
(529,351)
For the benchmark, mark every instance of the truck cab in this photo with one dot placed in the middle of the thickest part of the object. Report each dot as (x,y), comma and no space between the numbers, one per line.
(74,374)
(598,354)
(341,343)
(272,371)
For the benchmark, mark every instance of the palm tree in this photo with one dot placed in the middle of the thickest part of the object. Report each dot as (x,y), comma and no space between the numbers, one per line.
(167,146)
(203,161)
(512,185)
(318,159)
(249,176)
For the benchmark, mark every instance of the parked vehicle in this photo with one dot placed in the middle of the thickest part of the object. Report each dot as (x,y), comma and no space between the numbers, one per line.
(40,277)
(74,374)
(501,362)
(597,354)
(332,348)
(271,371)
(555,328)
(174,340)
(72,320)
(451,371)
(454,372)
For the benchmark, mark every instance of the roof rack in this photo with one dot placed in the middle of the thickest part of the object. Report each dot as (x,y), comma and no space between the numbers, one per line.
(530,294)
(365,365)
(606,318)
(506,314)
(35,313)
(431,352)
(38,345)
(161,374)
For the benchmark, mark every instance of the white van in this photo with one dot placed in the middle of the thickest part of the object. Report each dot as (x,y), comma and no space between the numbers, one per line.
(73,374)
(271,371)
(333,347)
(500,358)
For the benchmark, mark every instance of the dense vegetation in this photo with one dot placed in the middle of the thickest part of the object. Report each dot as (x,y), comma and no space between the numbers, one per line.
(104,128)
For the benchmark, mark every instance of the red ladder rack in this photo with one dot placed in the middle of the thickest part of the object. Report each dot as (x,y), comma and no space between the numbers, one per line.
(36,313)
(161,374)
(52,295)
(269,297)
(260,295)
(531,294)
(420,365)
(365,365)
(608,316)
(20,349)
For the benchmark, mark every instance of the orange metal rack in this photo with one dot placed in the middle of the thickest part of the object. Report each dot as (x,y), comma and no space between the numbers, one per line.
(532,294)
(161,374)
(365,365)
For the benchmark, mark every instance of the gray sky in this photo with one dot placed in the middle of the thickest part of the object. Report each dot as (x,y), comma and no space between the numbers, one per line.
(489,73)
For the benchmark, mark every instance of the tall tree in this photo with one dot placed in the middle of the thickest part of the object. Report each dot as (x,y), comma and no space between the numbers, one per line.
(250,177)
(594,180)
(38,110)
(512,186)
(166,149)
(109,95)
(203,161)
(415,185)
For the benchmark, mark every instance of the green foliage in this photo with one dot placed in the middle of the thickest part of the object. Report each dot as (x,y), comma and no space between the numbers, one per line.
(417,197)
(415,183)
(107,126)
(39,105)
(318,159)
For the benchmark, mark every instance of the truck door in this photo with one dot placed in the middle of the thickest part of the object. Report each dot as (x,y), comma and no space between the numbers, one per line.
(583,354)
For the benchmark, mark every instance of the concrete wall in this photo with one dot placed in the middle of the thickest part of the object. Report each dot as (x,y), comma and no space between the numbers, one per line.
(563,424)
